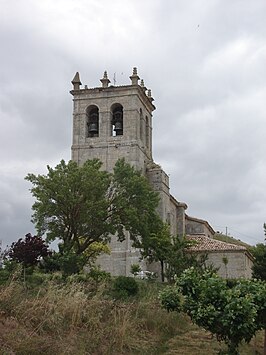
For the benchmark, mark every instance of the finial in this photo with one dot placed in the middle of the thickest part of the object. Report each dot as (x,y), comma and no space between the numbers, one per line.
(149,95)
(143,85)
(105,81)
(134,77)
(76,81)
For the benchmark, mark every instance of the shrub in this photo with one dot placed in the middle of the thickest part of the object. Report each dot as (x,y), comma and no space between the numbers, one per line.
(134,269)
(4,276)
(69,264)
(170,299)
(99,275)
(125,286)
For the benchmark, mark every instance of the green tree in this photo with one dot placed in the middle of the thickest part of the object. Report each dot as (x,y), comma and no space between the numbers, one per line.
(84,205)
(172,252)
(158,246)
(259,266)
(180,258)
(232,314)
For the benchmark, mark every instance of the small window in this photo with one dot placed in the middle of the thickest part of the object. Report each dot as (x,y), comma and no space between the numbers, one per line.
(93,121)
(117,120)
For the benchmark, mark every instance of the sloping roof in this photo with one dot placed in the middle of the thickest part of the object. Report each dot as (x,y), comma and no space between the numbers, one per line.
(204,243)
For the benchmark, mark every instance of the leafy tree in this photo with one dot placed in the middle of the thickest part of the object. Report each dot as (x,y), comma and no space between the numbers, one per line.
(179,258)
(171,251)
(232,314)
(72,263)
(158,246)
(83,205)
(259,266)
(28,251)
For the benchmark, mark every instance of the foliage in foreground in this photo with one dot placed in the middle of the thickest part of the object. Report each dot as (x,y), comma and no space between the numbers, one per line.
(233,314)
(76,318)
(78,315)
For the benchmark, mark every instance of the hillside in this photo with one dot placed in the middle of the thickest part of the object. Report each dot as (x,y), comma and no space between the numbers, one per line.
(81,318)
(228,239)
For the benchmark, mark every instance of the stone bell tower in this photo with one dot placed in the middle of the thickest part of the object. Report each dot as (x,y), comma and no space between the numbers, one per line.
(112,122)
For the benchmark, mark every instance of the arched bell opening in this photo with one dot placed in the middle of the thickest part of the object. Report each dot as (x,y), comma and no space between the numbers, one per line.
(92,113)
(117,120)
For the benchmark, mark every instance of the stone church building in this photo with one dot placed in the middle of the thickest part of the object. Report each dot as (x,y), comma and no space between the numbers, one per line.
(112,122)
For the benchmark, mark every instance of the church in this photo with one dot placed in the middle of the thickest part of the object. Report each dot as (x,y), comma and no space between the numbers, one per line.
(112,122)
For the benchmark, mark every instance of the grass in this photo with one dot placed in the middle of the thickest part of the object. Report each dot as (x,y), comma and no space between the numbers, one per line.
(232,240)
(75,318)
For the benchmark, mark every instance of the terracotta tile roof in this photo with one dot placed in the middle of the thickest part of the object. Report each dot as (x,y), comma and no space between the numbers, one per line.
(209,244)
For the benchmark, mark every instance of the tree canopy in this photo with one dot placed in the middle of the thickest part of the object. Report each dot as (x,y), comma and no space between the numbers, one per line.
(233,314)
(28,251)
(259,266)
(82,205)
(171,251)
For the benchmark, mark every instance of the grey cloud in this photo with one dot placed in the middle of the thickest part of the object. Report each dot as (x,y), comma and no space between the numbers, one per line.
(205,65)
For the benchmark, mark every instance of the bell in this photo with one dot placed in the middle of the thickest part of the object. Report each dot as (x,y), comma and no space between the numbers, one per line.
(93,128)
(118,128)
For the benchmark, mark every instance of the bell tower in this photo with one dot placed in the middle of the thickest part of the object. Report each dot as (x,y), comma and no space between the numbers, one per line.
(112,122)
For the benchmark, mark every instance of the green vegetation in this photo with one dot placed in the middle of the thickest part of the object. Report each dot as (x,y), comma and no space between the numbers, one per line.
(234,314)
(83,205)
(125,287)
(259,267)
(228,239)
(50,314)
(171,252)
(49,305)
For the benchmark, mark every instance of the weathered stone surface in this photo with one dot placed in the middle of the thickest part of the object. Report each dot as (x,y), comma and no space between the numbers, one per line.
(135,145)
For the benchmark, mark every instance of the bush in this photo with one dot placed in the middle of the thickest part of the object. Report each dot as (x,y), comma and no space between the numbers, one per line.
(10,266)
(135,269)
(4,276)
(170,299)
(50,263)
(69,264)
(99,275)
(125,286)
(37,279)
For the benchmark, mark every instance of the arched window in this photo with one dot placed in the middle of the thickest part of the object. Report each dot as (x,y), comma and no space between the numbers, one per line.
(93,121)
(117,120)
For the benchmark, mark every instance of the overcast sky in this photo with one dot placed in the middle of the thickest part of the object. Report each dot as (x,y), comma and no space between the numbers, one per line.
(205,63)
